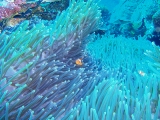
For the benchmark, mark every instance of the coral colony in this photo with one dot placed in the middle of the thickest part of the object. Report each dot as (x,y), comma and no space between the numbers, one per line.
(10,9)
(61,70)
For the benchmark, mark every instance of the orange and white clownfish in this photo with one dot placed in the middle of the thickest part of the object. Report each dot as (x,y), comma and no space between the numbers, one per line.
(79,62)
(141,73)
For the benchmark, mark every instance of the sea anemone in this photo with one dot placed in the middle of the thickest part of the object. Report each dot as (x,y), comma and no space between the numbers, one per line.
(38,71)
(40,79)
(126,94)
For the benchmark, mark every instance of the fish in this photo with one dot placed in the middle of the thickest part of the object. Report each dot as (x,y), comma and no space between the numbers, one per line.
(79,62)
(141,73)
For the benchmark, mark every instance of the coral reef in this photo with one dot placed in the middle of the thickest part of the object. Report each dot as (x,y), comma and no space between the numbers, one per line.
(10,9)
(132,20)
(12,16)
(70,69)
(38,71)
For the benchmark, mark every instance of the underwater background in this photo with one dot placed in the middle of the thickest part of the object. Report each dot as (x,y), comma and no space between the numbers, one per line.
(80,60)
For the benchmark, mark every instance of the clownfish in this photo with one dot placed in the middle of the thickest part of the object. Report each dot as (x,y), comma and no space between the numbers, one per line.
(141,73)
(79,62)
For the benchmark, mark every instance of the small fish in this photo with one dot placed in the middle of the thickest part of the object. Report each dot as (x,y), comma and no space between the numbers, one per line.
(79,62)
(141,73)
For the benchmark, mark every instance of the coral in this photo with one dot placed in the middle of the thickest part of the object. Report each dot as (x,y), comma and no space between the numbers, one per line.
(131,19)
(10,9)
(128,10)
